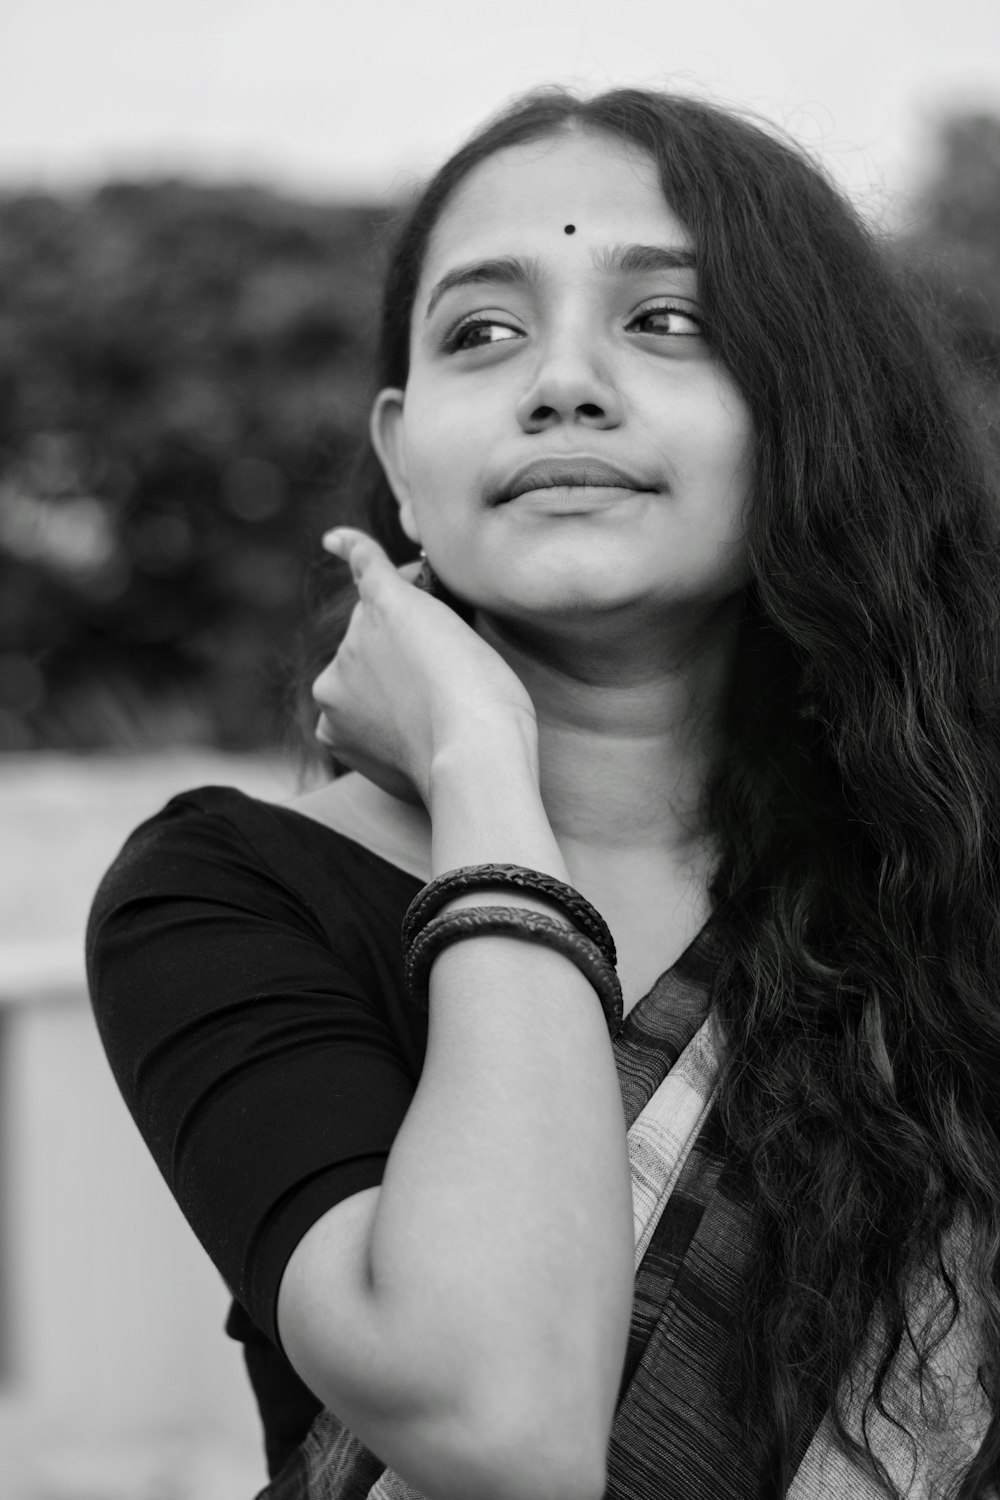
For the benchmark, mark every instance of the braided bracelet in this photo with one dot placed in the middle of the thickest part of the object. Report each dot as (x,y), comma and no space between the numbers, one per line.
(513,921)
(430,899)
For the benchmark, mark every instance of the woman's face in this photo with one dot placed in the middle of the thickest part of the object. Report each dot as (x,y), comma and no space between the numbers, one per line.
(567,441)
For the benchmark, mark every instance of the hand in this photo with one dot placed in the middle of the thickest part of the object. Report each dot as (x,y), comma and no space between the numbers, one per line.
(410,677)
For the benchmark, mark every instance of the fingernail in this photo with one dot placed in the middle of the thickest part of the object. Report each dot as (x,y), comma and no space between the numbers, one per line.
(333,541)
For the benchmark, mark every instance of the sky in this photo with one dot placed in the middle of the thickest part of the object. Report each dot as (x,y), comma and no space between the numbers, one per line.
(361,99)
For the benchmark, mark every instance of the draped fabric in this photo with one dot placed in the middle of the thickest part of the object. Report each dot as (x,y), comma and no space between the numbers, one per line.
(672,1436)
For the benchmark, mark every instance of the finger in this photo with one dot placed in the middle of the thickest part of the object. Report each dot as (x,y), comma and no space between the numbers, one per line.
(409,572)
(360,551)
(335,541)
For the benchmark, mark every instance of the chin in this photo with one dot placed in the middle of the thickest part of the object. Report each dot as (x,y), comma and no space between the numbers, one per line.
(569,601)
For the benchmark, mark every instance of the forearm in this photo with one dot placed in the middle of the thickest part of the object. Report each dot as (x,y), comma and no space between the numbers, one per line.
(504,1229)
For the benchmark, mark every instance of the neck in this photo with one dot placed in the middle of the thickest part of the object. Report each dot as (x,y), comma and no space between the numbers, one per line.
(629,727)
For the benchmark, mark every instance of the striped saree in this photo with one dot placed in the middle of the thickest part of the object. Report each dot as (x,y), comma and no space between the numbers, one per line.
(672,1438)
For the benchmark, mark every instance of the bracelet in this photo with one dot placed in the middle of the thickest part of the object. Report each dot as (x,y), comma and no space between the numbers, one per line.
(513,921)
(437,893)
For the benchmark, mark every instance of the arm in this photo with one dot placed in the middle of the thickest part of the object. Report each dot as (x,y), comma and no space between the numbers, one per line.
(469,1319)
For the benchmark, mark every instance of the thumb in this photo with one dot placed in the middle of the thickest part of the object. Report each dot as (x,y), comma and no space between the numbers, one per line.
(362,553)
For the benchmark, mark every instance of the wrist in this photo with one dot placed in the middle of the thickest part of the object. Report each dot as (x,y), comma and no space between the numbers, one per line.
(486,806)
(484,749)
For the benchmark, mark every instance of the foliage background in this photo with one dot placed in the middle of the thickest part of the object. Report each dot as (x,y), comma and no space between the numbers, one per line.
(183,372)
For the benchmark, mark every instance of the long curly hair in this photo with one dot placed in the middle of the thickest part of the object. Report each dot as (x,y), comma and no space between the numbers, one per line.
(857,808)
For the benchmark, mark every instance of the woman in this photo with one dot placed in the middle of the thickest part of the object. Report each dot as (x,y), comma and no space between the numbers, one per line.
(707,635)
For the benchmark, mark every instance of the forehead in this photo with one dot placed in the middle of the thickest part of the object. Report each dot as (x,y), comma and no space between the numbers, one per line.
(520,199)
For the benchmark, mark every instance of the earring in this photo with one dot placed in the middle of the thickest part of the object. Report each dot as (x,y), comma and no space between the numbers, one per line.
(427,579)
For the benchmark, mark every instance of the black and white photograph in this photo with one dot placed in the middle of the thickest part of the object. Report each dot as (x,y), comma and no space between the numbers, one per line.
(499,750)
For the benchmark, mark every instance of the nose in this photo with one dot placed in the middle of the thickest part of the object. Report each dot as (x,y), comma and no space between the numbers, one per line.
(568,385)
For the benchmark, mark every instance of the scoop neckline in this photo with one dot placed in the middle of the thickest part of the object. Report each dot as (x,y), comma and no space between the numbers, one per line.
(325,828)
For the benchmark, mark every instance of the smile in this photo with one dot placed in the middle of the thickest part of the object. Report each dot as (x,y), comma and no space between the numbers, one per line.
(583,479)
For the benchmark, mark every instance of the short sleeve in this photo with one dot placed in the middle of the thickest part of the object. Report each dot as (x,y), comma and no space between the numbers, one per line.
(251,1020)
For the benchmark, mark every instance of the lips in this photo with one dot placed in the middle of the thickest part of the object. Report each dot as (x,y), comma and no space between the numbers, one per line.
(555,473)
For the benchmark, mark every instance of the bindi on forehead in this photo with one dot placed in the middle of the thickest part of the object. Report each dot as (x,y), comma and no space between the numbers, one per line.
(570,229)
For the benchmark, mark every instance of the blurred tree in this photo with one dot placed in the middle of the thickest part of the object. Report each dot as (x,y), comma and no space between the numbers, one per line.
(953,247)
(181,374)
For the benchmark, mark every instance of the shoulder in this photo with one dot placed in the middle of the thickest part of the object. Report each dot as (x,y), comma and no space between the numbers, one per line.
(216,853)
(222,900)
(219,833)
(217,845)
(212,833)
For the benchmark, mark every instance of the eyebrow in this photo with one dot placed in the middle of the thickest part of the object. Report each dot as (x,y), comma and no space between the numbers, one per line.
(509,270)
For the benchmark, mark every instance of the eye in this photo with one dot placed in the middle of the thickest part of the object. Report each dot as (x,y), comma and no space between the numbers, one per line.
(670,320)
(479,333)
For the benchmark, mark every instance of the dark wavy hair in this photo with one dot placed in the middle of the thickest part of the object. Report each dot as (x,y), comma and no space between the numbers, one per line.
(857,808)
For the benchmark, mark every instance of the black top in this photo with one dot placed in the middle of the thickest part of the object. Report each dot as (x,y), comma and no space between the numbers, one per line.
(245,968)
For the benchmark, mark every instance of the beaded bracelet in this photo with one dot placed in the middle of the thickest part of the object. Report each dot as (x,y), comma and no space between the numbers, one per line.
(513,921)
(430,899)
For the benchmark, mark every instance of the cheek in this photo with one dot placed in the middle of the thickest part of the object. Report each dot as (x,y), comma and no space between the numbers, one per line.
(726,439)
(703,429)
(443,459)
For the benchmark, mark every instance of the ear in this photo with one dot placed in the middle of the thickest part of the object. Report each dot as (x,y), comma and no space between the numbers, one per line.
(385,427)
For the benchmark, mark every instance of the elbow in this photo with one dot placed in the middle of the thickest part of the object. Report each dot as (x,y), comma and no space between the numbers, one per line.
(453,1457)
(541,1454)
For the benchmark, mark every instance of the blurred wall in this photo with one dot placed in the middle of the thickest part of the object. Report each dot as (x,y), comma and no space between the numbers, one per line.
(117,1381)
